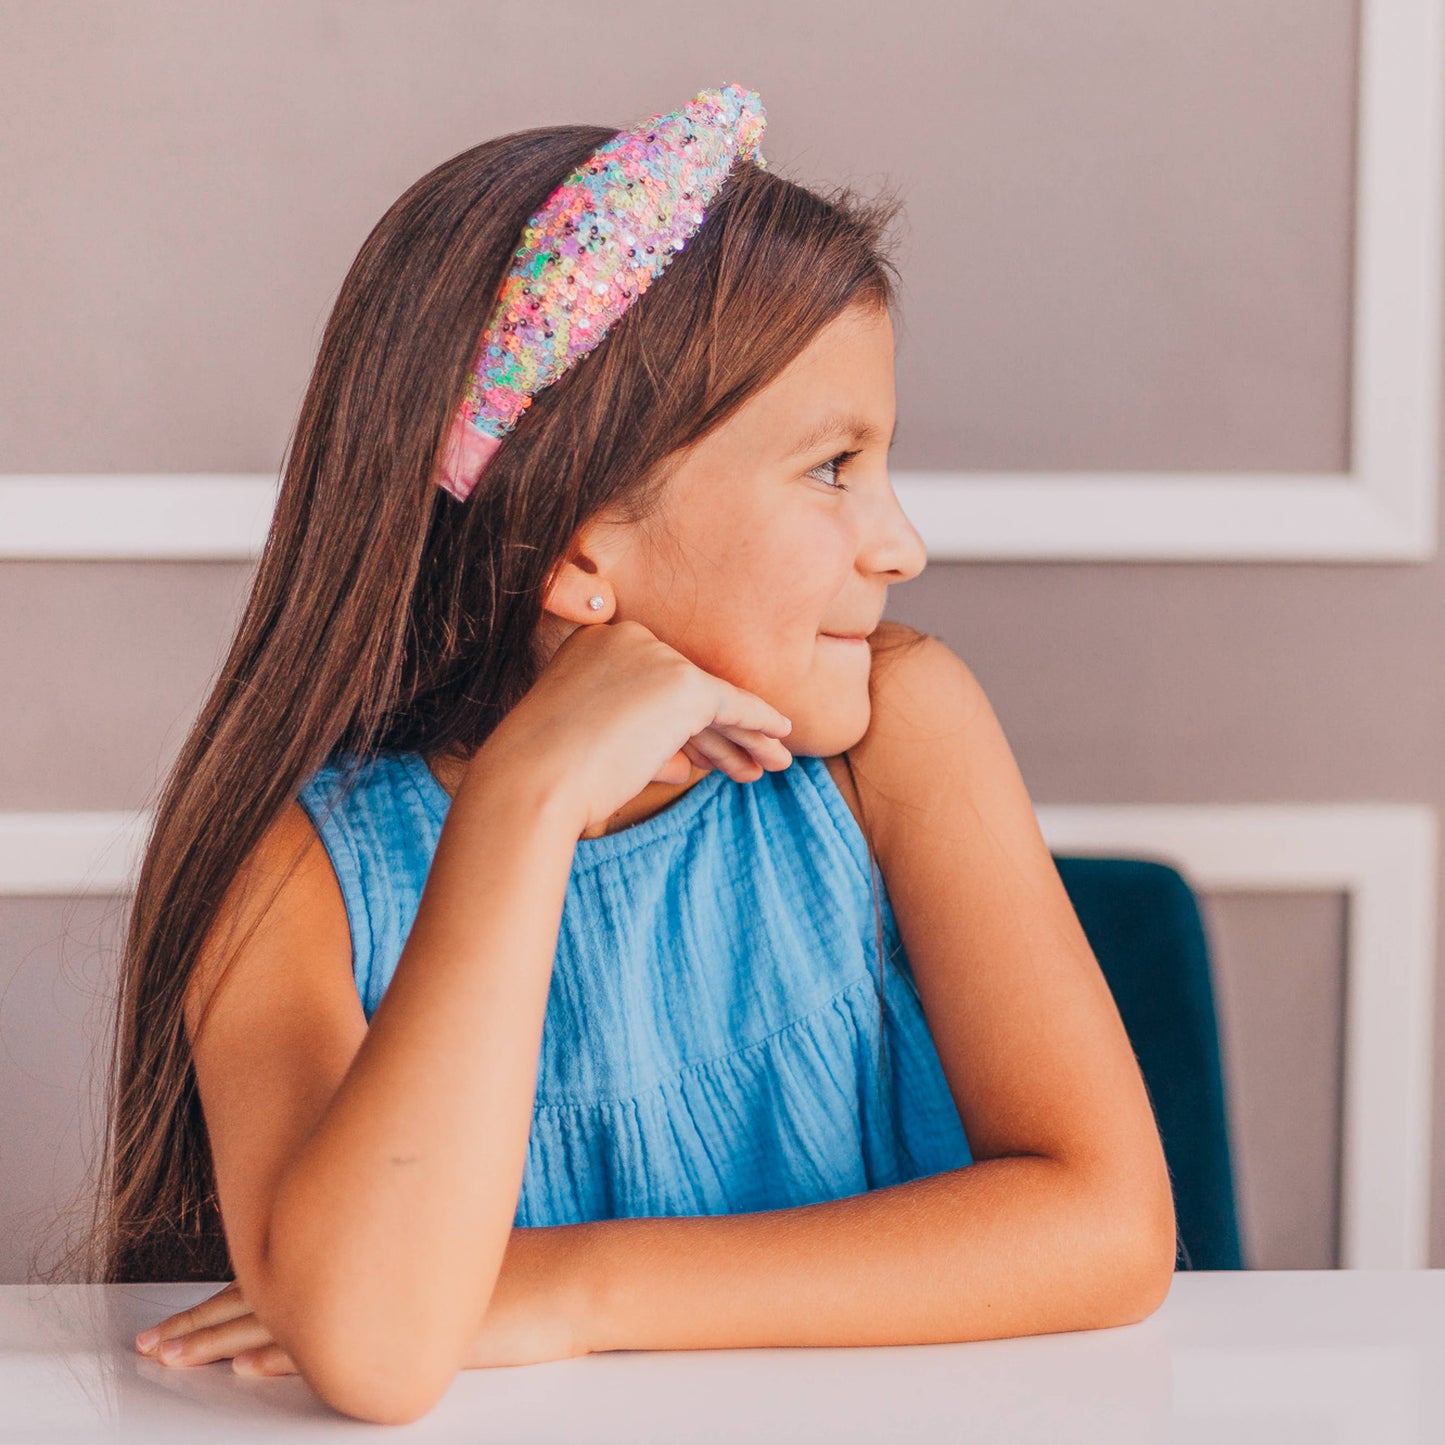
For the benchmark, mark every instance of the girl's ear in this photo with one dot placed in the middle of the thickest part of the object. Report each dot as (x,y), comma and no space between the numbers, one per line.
(578,580)
(567,601)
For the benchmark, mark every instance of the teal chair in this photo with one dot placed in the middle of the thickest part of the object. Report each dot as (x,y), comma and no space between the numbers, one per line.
(1142,921)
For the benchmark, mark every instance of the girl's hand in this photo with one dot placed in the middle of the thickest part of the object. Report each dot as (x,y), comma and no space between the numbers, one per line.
(221,1327)
(538,1312)
(616,708)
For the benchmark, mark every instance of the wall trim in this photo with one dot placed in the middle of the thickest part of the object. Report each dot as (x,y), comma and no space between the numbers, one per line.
(1381,855)
(1382,509)
(158,517)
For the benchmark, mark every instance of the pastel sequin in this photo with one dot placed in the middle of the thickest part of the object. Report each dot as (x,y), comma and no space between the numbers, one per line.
(593,248)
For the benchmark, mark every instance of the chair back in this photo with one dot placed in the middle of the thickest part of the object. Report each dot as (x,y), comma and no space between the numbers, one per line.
(1143,923)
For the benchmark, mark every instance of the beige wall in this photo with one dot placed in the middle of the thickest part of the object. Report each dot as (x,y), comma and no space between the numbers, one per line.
(1128,246)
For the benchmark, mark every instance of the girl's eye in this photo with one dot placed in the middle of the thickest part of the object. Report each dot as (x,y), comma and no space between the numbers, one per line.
(835,463)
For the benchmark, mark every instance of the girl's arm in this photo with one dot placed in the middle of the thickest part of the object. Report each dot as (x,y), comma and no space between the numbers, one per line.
(368,1178)
(1006,1246)
(1066,1221)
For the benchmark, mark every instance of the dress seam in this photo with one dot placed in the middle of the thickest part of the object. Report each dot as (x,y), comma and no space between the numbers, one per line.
(854,844)
(844,828)
(325,810)
(700,1064)
(427,805)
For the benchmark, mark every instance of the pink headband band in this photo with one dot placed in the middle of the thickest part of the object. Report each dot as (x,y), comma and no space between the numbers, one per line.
(595,246)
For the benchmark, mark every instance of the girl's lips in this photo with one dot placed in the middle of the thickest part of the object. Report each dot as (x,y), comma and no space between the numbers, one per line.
(842,637)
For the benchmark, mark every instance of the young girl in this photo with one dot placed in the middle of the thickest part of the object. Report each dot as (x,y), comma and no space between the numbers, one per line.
(500,979)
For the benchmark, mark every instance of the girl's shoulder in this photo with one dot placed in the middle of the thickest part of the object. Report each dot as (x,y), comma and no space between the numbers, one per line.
(920,742)
(285,881)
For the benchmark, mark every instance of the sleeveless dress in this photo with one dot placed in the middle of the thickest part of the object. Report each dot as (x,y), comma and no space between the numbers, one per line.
(711,1037)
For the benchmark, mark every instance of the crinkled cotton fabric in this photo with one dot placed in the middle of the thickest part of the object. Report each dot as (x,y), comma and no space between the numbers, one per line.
(711,1037)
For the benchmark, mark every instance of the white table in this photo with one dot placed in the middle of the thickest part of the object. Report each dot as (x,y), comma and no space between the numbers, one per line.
(1355,1357)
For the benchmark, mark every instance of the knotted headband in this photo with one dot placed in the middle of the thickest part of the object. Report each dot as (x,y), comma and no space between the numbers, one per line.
(594,247)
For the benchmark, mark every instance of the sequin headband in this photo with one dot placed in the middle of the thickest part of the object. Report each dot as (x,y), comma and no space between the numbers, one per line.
(594,247)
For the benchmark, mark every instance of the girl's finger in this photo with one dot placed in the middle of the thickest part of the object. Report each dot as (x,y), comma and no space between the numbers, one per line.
(762,746)
(739,709)
(268,1360)
(674,770)
(215,1342)
(699,759)
(722,753)
(226,1304)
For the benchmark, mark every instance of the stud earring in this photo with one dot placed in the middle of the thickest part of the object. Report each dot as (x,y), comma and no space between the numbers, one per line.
(594,603)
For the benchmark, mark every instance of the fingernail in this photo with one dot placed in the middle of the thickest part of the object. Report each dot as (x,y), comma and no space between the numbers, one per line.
(169,1350)
(145,1341)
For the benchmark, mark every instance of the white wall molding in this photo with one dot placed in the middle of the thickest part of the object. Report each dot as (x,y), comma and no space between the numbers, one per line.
(203,517)
(71,854)
(1382,509)
(1381,856)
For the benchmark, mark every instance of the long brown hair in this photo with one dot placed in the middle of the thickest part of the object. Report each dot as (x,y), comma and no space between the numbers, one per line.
(385,616)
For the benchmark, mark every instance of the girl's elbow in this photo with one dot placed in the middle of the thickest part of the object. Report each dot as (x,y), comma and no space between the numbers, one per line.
(353,1355)
(390,1396)
(1152,1284)
(1145,1259)
(369,1375)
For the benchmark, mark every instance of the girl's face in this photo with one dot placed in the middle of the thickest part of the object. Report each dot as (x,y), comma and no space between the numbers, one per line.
(757,553)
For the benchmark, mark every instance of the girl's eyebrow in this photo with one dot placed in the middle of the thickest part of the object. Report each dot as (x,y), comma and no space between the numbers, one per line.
(851,428)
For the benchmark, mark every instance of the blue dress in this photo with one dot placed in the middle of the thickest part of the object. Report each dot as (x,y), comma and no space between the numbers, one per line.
(710,1044)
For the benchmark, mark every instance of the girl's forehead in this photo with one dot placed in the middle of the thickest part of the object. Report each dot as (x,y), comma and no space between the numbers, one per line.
(840,384)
